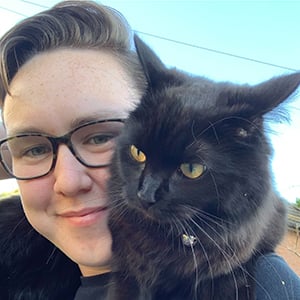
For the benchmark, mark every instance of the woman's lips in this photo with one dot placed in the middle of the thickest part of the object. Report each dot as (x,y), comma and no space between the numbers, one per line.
(84,217)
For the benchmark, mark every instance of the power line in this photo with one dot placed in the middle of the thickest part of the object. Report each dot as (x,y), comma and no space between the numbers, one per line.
(27,2)
(182,43)
(216,51)
(35,4)
(13,11)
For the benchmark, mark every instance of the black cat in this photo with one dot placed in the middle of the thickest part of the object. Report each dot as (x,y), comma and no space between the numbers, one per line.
(193,204)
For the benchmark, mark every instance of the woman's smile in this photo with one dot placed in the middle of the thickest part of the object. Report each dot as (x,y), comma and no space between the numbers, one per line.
(85,217)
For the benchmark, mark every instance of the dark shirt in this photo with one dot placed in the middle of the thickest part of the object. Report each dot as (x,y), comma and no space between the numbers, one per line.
(274,281)
(93,287)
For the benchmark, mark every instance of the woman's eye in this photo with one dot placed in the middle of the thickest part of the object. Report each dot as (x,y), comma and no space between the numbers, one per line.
(36,151)
(192,170)
(100,139)
(137,154)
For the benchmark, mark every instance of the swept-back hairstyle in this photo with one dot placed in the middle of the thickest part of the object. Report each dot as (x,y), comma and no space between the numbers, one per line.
(71,24)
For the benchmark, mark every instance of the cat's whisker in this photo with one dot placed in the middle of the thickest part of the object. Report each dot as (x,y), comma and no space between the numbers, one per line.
(222,238)
(274,271)
(225,255)
(202,216)
(15,228)
(225,229)
(177,227)
(215,184)
(121,208)
(17,225)
(211,218)
(187,229)
(222,251)
(180,230)
(170,231)
(212,125)
(187,232)
(215,132)
(197,280)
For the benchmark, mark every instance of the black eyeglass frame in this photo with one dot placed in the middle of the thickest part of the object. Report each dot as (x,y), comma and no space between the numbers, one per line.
(56,142)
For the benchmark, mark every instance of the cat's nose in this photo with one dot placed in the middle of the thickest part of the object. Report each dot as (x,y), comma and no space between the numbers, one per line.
(147,190)
(145,199)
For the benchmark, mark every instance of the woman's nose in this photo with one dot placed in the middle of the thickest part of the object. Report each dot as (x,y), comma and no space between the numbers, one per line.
(71,177)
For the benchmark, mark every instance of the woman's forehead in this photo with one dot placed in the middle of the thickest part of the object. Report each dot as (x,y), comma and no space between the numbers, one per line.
(66,84)
(70,64)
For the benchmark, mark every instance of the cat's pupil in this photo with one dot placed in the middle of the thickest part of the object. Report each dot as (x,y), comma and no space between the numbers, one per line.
(192,170)
(137,154)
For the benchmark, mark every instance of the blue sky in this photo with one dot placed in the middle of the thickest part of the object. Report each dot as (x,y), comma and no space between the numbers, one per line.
(266,31)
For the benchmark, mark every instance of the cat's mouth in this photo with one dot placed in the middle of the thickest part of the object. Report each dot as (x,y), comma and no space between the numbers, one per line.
(153,211)
(163,211)
(150,212)
(157,212)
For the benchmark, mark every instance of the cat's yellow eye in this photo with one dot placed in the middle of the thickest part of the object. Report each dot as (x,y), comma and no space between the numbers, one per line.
(137,154)
(192,170)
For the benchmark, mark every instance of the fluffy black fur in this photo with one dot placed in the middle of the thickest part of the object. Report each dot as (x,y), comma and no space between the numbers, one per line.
(30,267)
(232,210)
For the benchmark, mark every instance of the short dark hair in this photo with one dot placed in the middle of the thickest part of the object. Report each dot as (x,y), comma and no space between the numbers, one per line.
(69,24)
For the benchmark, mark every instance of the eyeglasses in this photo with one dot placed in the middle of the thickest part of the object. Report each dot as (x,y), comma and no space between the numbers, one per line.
(33,155)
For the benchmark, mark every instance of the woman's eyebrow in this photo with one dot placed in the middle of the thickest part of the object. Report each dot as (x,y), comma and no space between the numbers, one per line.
(76,122)
(96,117)
(25,130)
(82,120)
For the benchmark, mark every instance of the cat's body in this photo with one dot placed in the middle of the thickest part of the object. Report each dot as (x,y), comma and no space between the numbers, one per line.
(193,204)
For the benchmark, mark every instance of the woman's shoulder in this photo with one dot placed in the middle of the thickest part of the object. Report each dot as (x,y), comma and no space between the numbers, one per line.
(10,211)
(17,237)
(30,266)
(275,279)
(14,228)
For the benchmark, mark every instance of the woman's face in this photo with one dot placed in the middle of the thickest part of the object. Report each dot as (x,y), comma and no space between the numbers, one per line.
(49,94)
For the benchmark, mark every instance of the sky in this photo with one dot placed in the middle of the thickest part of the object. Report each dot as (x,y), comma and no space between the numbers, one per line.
(238,41)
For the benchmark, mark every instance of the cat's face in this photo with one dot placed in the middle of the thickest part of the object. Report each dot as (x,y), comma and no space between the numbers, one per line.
(183,155)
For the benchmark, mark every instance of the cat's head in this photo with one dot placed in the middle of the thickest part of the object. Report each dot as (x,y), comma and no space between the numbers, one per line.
(194,145)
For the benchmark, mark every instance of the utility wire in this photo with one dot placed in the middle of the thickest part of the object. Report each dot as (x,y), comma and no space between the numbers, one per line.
(13,11)
(35,4)
(216,51)
(182,43)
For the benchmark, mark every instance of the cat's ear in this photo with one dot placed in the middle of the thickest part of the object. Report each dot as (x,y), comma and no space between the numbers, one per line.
(255,101)
(270,94)
(157,74)
(151,64)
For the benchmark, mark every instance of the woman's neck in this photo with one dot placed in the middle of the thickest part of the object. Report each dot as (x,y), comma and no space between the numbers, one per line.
(87,271)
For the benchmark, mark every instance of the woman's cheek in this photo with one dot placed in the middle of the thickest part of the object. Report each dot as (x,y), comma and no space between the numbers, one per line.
(35,194)
(101,177)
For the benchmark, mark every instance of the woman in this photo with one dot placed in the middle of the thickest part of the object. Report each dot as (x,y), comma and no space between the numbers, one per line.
(69,70)
(68,79)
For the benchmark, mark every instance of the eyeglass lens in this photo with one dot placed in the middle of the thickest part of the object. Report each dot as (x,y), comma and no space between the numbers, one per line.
(33,155)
